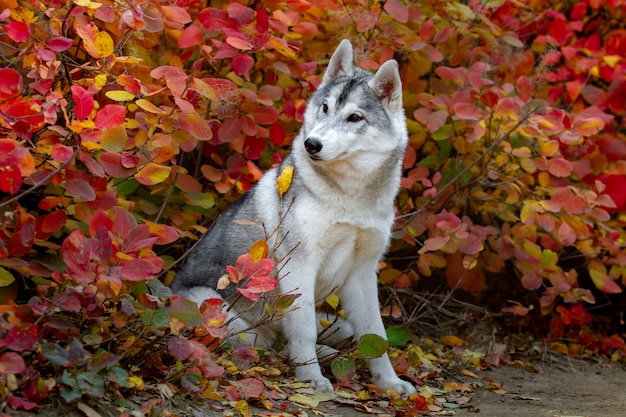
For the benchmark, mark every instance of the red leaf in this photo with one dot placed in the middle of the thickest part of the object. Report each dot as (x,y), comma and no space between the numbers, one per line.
(60,43)
(123,222)
(191,36)
(179,347)
(54,221)
(21,338)
(80,189)
(17,403)
(397,10)
(165,234)
(11,83)
(138,270)
(567,235)
(213,19)
(11,363)
(250,388)
(100,219)
(84,102)
(277,133)
(18,31)
(524,88)
(467,111)
(617,92)
(62,153)
(10,179)
(265,115)
(242,63)
(560,167)
(239,43)
(176,14)
(229,130)
(427,29)
(110,115)
(111,162)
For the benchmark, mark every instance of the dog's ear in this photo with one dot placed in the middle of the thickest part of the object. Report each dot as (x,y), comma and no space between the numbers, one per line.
(341,63)
(387,84)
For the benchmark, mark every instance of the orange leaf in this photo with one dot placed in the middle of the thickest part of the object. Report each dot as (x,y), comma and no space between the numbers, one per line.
(153,174)
(451,341)
(560,167)
(604,282)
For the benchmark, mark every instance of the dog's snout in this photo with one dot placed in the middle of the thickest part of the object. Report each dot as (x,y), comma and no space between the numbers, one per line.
(313,145)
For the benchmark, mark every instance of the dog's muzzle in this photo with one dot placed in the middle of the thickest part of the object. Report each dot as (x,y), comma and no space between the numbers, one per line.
(313,146)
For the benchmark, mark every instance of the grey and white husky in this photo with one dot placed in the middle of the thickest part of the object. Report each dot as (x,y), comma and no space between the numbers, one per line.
(331,227)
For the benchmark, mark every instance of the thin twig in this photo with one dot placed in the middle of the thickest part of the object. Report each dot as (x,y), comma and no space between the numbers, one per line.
(40,183)
(467,168)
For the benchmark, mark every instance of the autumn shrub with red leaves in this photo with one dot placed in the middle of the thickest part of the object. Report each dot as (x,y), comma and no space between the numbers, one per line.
(126,127)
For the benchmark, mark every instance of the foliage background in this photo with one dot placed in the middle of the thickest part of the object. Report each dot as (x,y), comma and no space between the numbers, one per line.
(127,127)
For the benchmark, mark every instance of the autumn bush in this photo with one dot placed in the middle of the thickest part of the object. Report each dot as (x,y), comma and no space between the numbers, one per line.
(126,127)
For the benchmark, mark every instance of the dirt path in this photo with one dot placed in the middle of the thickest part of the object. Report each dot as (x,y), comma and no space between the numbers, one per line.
(568,389)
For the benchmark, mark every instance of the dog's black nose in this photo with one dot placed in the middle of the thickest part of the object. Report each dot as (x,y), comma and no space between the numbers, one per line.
(313,145)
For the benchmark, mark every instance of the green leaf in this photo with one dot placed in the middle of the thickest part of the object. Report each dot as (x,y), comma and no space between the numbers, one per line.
(91,383)
(344,369)
(372,345)
(431,161)
(55,354)
(398,336)
(5,277)
(443,133)
(186,311)
(199,199)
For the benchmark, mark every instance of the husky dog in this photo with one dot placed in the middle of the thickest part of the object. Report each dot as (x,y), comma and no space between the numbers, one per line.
(333,224)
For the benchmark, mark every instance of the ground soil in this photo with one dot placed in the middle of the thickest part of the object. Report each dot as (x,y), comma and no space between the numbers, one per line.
(558,387)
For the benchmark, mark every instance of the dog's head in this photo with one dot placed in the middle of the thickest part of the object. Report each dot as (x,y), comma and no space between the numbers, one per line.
(355,115)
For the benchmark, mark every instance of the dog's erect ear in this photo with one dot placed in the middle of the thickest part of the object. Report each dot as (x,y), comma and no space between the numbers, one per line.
(387,85)
(341,63)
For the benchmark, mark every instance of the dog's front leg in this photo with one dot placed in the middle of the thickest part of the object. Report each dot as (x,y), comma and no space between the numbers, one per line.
(300,329)
(359,297)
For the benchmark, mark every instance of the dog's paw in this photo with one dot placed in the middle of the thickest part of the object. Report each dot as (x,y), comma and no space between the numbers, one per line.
(322,385)
(313,375)
(403,388)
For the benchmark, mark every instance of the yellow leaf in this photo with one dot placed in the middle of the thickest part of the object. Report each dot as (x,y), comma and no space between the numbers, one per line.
(148,106)
(99,81)
(128,60)
(210,393)
(275,43)
(549,259)
(533,249)
(136,382)
(119,95)
(283,182)
(104,44)
(548,148)
(87,3)
(612,60)
(325,323)
(259,250)
(243,407)
(333,300)
(204,89)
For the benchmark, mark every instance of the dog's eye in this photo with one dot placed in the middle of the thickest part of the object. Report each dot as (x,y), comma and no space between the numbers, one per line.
(355,118)
(325,108)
